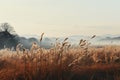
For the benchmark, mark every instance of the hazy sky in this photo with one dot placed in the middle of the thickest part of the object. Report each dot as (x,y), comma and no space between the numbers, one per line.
(62,17)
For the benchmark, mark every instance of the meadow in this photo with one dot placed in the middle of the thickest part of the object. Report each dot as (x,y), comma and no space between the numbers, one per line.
(61,62)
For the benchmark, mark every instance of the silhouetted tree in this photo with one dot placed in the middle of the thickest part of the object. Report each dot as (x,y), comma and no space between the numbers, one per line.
(5,27)
(8,37)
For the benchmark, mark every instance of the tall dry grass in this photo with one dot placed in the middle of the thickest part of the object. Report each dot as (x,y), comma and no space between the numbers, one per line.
(61,62)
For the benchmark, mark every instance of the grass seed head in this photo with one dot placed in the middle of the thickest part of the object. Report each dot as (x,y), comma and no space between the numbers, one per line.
(41,37)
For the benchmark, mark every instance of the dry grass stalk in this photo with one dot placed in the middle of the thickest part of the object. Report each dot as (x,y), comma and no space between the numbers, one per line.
(93,36)
(41,37)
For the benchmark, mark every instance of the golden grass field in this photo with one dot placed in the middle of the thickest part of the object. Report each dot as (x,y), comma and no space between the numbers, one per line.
(61,62)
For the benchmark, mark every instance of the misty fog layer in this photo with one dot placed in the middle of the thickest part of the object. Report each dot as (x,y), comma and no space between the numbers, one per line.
(10,39)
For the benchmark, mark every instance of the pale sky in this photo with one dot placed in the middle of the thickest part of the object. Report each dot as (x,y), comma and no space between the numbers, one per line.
(62,17)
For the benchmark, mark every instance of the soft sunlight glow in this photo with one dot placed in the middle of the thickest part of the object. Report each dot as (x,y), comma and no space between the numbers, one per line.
(62,17)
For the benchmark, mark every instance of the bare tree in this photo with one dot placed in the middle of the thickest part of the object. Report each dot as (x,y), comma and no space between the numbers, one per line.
(5,27)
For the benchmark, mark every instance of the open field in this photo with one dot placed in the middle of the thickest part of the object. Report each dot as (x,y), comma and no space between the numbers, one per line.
(62,62)
(52,40)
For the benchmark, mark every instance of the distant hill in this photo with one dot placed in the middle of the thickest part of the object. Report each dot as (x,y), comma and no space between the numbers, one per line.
(111,38)
(8,40)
